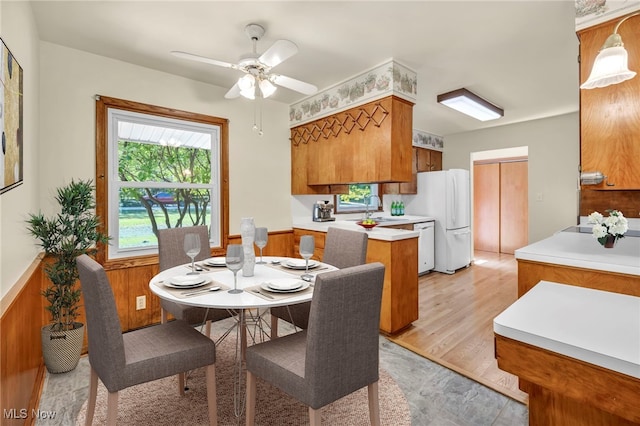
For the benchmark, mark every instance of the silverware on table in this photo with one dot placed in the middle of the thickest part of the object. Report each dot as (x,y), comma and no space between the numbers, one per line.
(202,290)
(255,290)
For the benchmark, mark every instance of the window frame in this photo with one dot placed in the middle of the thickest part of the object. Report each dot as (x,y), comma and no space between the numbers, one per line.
(378,193)
(103,105)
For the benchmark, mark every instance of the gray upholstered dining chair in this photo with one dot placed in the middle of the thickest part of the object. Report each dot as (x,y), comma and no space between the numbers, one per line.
(336,355)
(171,253)
(343,248)
(124,360)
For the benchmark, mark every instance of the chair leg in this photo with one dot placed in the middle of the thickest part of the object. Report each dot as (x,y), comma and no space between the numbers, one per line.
(181,382)
(251,399)
(315,417)
(163,316)
(207,329)
(93,392)
(374,404)
(274,327)
(112,408)
(211,394)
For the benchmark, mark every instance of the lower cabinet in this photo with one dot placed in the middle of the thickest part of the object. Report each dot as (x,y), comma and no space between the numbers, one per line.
(400,292)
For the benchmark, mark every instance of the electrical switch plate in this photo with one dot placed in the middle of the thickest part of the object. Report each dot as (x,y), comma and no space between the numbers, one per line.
(141,302)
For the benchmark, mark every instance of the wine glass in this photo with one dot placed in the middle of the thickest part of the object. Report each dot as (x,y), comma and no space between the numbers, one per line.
(234,261)
(261,241)
(307,246)
(192,248)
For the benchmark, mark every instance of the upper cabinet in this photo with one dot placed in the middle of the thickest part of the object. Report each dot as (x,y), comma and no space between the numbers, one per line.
(424,160)
(610,116)
(368,143)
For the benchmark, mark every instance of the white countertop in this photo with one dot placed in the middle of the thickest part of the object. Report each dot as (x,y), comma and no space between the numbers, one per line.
(594,326)
(581,250)
(380,232)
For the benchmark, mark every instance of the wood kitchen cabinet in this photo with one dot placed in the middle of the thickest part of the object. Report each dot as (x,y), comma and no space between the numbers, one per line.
(423,160)
(610,116)
(368,143)
(399,307)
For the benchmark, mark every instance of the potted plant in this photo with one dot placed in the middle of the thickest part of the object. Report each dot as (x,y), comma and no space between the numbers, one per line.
(65,236)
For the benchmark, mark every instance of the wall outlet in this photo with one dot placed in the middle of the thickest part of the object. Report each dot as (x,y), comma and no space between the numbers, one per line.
(141,302)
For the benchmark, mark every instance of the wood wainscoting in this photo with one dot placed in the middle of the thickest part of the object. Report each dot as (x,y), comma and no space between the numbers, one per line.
(22,368)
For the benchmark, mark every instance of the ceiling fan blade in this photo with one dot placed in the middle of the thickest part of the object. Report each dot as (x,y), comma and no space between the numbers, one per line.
(278,52)
(191,56)
(293,84)
(234,92)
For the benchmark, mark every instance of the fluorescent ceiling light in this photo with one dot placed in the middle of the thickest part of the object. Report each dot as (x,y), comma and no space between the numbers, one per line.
(471,104)
(612,63)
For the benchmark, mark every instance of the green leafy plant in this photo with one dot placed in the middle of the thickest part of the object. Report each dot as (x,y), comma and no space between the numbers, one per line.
(65,236)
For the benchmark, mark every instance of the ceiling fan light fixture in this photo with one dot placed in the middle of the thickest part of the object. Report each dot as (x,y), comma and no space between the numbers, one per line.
(267,88)
(469,103)
(247,85)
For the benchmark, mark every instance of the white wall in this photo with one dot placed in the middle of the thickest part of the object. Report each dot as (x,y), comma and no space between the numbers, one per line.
(259,172)
(17,248)
(554,157)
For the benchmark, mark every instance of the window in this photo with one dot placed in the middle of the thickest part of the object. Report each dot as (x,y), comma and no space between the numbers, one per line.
(360,195)
(163,171)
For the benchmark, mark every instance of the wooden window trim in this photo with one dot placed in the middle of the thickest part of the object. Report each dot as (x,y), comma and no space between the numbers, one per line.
(103,103)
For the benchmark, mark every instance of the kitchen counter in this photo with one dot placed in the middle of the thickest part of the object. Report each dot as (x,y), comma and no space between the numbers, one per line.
(581,250)
(380,232)
(598,327)
(576,352)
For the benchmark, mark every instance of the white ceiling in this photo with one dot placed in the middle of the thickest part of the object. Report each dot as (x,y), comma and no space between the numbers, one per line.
(520,55)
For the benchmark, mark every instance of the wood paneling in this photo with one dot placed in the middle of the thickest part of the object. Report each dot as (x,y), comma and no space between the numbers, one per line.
(610,116)
(22,368)
(486,207)
(628,202)
(514,206)
(530,273)
(567,391)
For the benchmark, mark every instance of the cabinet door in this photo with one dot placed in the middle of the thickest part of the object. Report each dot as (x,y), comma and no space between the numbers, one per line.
(423,159)
(436,161)
(610,116)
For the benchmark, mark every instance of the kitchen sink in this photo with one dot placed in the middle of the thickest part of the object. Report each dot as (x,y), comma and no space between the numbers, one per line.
(379,219)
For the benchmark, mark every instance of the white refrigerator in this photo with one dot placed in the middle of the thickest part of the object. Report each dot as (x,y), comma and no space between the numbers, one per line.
(445,196)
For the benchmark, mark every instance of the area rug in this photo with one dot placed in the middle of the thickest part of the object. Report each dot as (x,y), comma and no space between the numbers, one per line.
(159,402)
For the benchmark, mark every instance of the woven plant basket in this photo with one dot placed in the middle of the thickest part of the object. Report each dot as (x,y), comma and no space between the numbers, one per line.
(61,349)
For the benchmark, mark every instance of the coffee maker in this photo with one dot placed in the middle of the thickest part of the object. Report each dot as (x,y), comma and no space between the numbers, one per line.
(322,211)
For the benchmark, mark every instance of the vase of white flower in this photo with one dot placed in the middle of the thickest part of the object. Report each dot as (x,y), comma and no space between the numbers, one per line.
(608,230)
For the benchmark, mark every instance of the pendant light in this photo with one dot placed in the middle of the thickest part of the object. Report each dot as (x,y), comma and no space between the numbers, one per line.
(611,64)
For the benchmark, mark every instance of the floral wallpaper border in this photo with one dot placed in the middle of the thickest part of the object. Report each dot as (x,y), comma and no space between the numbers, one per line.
(593,12)
(378,82)
(427,140)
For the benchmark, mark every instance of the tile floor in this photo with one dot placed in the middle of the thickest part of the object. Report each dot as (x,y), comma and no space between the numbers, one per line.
(437,396)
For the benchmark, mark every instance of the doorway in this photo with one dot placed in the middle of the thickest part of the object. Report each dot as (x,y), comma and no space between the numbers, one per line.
(500,201)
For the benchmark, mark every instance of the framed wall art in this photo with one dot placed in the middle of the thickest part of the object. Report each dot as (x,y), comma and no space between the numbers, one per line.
(11,118)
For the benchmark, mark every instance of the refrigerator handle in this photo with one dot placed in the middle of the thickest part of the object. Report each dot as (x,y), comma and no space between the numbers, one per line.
(454,212)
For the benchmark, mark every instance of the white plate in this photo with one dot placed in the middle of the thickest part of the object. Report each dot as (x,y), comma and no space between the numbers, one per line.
(284,284)
(203,281)
(298,264)
(265,286)
(215,261)
(186,280)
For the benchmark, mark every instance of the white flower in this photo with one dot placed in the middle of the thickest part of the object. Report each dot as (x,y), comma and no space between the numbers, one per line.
(599,231)
(595,217)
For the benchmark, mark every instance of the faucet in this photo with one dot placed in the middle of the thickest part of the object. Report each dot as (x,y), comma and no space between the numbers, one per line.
(367,200)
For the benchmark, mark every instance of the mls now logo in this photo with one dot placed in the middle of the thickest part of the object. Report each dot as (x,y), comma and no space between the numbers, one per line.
(23,413)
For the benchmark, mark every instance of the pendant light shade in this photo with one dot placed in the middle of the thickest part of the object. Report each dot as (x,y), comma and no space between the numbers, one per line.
(612,63)
(247,85)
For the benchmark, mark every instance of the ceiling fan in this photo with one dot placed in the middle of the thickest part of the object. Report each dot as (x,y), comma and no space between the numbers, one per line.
(258,80)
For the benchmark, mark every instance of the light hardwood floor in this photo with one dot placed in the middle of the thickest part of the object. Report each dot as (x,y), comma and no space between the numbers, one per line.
(455,327)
